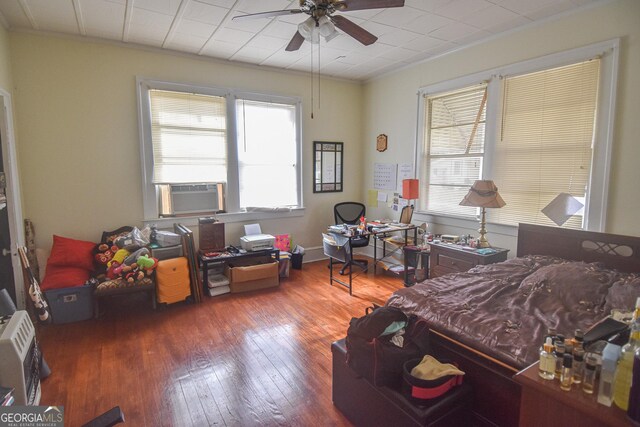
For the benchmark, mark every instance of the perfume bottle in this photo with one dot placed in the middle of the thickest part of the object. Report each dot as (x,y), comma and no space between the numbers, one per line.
(547,365)
(566,375)
(559,354)
(578,364)
(589,377)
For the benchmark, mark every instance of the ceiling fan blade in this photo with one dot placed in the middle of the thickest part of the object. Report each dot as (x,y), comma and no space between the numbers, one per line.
(268,14)
(354,30)
(295,42)
(349,5)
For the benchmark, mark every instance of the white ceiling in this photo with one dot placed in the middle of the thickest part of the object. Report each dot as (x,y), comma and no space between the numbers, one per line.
(417,31)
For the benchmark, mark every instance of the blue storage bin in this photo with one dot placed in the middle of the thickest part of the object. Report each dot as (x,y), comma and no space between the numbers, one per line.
(70,304)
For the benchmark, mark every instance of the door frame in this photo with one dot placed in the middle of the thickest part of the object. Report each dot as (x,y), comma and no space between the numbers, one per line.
(14,200)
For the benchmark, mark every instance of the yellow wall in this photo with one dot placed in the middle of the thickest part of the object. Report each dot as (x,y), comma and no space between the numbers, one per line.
(79,147)
(5,66)
(390,102)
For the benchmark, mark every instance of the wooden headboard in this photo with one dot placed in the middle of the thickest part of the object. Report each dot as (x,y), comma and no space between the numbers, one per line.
(615,251)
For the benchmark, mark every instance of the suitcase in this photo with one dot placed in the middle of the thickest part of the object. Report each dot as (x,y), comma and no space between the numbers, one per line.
(172,280)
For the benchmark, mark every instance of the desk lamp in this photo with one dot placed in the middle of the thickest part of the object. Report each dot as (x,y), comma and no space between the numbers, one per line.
(483,194)
(410,189)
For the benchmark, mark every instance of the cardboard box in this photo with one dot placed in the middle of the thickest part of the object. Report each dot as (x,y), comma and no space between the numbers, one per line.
(253,277)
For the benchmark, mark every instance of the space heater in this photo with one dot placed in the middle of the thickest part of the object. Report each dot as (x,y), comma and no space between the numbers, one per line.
(21,358)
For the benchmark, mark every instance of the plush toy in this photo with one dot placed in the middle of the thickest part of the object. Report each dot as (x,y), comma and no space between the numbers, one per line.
(105,253)
(146,262)
(118,257)
(134,275)
(133,257)
(115,270)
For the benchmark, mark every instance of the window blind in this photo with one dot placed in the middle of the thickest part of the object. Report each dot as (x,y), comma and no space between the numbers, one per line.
(267,154)
(454,148)
(189,137)
(545,146)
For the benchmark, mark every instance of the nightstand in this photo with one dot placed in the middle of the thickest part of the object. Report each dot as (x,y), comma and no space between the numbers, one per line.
(542,403)
(450,258)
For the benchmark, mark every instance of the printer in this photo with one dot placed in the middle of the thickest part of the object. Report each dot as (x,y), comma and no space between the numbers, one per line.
(257,242)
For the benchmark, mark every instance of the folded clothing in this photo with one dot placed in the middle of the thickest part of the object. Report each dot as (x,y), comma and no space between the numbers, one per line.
(430,368)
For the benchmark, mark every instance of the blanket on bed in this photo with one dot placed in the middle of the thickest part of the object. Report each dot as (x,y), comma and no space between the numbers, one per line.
(505,309)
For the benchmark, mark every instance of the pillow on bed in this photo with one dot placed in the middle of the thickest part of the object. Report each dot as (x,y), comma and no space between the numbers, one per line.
(623,293)
(571,283)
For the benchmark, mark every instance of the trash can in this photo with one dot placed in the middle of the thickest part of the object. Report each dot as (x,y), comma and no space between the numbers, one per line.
(296,257)
(296,261)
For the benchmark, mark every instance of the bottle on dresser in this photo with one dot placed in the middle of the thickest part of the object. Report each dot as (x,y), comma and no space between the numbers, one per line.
(634,396)
(547,365)
(622,379)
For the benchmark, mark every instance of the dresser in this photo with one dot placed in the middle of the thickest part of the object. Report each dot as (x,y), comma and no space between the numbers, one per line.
(448,258)
(544,404)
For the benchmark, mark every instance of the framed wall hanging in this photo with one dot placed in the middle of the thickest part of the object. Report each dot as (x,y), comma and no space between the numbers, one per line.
(381,142)
(327,166)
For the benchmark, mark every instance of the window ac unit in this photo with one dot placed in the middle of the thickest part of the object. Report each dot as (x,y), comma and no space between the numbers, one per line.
(183,199)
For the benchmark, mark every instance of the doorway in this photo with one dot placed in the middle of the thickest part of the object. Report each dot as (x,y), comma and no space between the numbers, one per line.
(11,229)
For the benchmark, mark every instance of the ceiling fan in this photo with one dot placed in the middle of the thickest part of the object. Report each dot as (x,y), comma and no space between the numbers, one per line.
(322,21)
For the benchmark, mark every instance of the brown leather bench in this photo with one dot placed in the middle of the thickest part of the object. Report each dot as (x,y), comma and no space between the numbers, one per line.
(367,405)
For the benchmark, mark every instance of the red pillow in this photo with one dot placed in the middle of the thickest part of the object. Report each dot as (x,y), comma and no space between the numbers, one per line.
(71,253)
(57,277)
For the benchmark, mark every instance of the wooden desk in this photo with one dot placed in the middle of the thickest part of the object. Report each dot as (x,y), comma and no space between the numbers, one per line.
(542,403)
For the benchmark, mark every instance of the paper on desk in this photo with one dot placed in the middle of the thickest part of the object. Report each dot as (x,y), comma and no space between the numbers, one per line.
(250,229)
(372,199)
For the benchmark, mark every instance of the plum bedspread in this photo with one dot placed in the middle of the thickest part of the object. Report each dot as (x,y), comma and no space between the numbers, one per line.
(505,309)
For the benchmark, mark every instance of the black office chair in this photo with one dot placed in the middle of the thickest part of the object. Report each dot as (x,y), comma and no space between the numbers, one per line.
(350,213)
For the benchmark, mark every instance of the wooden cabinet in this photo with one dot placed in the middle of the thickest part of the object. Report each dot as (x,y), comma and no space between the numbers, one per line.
(449,258)
(542,403)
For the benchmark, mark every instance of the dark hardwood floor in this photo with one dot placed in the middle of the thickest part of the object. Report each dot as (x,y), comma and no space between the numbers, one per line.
(261,358)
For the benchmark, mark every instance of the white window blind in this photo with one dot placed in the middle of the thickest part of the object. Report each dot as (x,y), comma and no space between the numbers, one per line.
(545,147)
(267,154)
(454,148)
(189,137)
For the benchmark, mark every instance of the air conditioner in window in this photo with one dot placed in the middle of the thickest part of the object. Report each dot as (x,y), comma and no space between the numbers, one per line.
(181,199)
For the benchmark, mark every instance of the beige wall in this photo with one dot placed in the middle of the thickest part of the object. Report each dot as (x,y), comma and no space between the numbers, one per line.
(79,149)
(391,103)
(5,65)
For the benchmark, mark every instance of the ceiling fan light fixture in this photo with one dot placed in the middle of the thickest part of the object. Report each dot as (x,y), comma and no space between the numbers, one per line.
(307,29)
(327,29)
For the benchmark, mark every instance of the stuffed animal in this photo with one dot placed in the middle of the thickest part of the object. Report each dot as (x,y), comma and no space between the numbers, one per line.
(115,270)
(146,262)
(105,253)
(133,257)
(134,275)
(118,257)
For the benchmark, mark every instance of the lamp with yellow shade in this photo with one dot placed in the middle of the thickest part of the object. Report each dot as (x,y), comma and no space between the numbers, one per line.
(483,194)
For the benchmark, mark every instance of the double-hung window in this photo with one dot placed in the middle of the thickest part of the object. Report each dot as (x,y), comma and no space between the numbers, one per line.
(454,152)
(541,130)
(208,149)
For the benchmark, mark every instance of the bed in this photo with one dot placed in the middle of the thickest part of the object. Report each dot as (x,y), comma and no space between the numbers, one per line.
(492,319)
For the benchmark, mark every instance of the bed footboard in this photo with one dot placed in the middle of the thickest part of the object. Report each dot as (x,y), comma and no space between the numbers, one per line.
(496,396)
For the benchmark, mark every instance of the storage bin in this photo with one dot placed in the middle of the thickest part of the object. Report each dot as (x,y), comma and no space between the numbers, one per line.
(70,304)
(253,277)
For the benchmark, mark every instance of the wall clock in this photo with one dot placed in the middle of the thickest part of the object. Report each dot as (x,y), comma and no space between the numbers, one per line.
(381,142)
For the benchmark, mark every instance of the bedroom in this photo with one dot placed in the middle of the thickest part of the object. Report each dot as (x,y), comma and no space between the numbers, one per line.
(75,109)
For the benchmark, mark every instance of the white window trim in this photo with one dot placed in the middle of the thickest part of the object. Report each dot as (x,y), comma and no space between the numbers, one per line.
(150,204)
(596,203)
